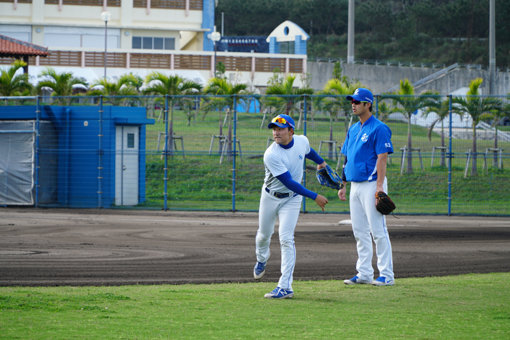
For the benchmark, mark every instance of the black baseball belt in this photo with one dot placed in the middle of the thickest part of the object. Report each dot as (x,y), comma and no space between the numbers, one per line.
(278,194)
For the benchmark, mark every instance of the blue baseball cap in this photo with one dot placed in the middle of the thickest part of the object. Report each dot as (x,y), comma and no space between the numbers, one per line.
(282,121)
(362,95)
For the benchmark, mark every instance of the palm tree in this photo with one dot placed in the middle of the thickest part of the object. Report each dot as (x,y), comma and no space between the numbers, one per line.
(475,106)
(61,84)
(288,96)
(191,107)
(382,110)
(441,108)
(125,86)
(134,80)
(12,84)
(338,90)
(266,103)
(409,104)
(333,101)
(495,117)
(226,91)
(173,86)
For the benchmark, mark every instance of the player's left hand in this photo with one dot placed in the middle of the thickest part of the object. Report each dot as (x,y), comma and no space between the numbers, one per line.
(384,203)
(328,177)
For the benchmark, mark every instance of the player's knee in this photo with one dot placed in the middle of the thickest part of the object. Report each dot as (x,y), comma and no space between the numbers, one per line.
(362,235)
(287,242)
(262,237)
(380,238)
(378,233)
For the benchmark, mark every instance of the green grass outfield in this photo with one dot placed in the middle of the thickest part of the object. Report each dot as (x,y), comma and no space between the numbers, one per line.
(474,306)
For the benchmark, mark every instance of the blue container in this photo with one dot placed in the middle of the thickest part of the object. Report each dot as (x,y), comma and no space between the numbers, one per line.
(76,152)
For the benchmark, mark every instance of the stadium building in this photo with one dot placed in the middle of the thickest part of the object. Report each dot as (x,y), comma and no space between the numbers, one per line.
(141,36)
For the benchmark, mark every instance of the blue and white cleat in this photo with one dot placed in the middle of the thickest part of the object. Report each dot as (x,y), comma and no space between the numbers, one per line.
(356,280)
(381,281)
(280,293)
(259,270)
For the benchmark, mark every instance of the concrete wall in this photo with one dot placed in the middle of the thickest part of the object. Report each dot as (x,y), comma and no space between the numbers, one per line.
(381,78)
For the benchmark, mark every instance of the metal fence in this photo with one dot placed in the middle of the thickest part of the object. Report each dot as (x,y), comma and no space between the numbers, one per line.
(206,152)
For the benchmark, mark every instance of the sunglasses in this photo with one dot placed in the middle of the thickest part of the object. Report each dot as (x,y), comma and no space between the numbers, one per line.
(356,102)
(281,120)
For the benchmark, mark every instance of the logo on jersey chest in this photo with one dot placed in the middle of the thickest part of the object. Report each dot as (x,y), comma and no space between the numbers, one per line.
(364,138)
(300,157)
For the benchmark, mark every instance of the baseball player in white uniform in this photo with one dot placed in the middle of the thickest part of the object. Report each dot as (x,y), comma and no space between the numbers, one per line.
(281,198)
(366,149)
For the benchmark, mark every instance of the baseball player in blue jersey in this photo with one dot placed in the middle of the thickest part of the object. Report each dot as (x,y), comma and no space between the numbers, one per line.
(281,198)
(366,149)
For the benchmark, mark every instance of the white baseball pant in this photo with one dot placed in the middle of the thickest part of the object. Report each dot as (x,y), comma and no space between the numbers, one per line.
(287,210)
(368,224)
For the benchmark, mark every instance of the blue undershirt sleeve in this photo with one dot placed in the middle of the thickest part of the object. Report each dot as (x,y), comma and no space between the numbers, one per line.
(314,156)
(287,180)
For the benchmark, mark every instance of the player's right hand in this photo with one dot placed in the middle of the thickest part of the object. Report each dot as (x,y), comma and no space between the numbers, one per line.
(322,165)
(342,194)
(321,201)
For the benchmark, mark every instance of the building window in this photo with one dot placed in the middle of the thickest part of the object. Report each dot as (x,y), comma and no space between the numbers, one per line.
(131,140)
(169,44)
(147,43)
(287,47)
(153,43)
(158,43)
(137,42)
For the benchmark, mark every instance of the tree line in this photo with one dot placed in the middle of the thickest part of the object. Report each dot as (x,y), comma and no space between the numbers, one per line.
(281,96)
(426,31)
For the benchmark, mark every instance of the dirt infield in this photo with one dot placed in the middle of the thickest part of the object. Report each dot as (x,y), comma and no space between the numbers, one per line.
(115,247)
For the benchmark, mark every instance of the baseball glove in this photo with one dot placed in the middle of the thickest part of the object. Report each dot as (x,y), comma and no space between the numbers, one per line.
(383,203)
(328,177)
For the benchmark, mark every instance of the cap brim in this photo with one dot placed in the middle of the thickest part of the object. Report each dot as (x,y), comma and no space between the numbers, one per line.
(280,125)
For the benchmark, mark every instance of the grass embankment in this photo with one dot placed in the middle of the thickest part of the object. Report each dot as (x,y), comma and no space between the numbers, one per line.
(200,182)
(197,180)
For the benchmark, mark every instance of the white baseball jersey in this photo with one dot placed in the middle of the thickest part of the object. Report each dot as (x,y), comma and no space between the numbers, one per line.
(278,160)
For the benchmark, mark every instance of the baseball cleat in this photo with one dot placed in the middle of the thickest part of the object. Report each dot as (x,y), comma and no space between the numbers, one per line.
(259,270)
(280,293)
(381,281)
(356,280)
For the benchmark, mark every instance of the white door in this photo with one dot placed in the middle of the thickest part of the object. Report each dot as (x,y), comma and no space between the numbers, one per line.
(126,165)
(17,140)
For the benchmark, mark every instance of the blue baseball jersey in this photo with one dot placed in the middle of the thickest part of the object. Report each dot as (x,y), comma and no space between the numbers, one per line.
(362,145)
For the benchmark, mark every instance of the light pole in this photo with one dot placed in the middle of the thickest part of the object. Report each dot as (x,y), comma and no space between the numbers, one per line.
(350,33)
(492,47)
(106,17)
(215,37)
